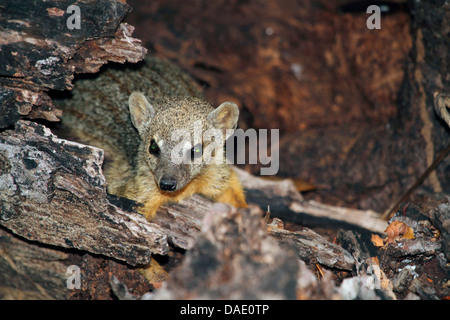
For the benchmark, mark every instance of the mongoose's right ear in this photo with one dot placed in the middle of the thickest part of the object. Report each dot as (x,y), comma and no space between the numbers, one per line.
(224,117)
(141,110)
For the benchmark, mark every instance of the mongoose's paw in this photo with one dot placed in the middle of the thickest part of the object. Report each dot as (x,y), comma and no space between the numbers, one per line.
(148,210)
(234,194)
(234,197)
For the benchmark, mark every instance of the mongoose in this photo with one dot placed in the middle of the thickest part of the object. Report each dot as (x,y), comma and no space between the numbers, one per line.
(131,113)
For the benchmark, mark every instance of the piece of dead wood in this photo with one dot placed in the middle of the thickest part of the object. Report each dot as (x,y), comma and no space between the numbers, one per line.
(183,222)
(442,106)
(286,203)
(31,271)
(440,217)
(233,258)
(53,191)
(370,283)
(40,52)
(313,248)
(365,219)
(120,48)
(408,237)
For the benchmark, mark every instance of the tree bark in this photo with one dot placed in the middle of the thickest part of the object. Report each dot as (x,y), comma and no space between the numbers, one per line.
(40,52)
(53,192)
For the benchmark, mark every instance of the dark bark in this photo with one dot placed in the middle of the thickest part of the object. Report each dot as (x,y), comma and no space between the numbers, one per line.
(53,192)
(38,51)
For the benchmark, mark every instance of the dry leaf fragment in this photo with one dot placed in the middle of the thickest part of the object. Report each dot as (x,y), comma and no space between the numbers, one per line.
(398,230)
(300,184)
(377,241)
(319,272)
(304,186)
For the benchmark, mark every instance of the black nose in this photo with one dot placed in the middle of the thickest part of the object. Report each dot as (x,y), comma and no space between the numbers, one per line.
(168,184)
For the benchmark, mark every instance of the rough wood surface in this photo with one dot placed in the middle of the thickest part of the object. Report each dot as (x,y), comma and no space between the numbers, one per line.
(442,106)
(183,221)
(54,210)
(313,248)
(233,258)
(283,200)
(53,192)
(39,52)
(30,270)
(440,217)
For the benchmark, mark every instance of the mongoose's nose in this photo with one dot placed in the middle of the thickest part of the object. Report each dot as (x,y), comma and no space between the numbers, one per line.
(168,184)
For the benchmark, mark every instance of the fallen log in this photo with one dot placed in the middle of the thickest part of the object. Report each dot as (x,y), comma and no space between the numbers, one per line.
(40,52)
(313,248)
(53,191)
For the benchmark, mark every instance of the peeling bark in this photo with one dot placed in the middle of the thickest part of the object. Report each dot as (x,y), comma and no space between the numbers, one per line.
(39,52)
(53,192)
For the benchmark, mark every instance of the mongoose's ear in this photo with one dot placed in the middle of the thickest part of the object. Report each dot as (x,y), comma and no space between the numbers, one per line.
(140,110)
(225,117)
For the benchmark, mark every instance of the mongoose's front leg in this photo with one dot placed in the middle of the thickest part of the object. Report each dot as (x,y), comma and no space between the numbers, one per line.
(232,194)
(149,210)
(151,205)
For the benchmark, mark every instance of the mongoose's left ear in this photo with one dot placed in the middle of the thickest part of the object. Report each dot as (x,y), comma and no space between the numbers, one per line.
(225,117)
(141,110)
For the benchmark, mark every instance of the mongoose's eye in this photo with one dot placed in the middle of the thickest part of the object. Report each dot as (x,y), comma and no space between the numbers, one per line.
(197,151)
(154,149)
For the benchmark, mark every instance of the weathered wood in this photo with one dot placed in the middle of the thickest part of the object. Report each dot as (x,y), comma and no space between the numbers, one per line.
(120,48)
(38,51)
(182,221)
(53,191)
(365,219)
(30,270)
(440,217)
(425,243)
(233,258)
(427,74)
(20,102)
(442,106)
(313,248)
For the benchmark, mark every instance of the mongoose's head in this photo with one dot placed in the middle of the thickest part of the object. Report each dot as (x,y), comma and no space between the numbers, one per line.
(180,137)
